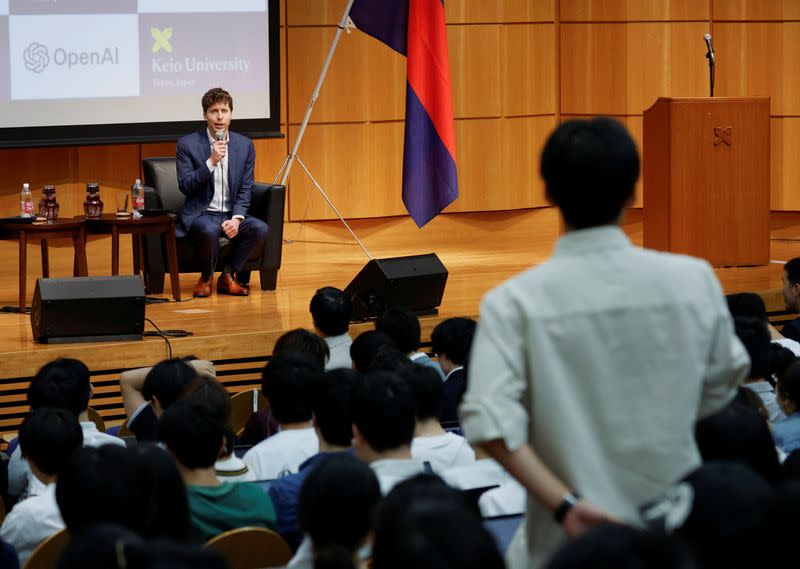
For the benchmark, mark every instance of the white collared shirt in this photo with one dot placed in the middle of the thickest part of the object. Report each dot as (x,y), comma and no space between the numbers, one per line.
(32,521)
(222,195)
(339,347)
(392,471)
(282,453)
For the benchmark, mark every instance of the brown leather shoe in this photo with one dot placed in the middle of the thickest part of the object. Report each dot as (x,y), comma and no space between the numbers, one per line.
(203,288)
(226,284)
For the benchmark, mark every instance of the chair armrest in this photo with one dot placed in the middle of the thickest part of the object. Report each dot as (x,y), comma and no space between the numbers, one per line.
(152,198)
(268,203)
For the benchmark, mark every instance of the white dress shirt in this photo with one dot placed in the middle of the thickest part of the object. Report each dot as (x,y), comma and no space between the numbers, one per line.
(392,471)
(282,453)
(32,521)
(443,451)
(339,347)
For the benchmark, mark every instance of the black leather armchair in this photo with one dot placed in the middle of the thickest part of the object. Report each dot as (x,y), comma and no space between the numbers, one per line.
(161,192)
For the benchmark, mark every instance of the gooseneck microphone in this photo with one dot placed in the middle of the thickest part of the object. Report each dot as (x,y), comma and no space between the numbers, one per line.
(710,57)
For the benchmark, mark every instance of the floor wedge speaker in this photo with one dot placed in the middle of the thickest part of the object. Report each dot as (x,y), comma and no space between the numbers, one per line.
(88,309)
(415,282)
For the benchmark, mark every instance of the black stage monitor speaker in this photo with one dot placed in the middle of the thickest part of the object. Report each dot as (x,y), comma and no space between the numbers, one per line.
(415,282)
(88,309)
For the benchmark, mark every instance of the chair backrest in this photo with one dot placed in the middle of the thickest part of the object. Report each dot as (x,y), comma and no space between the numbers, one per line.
(251,548)
(95,418)
(243,405)
(162,174)
(47,553)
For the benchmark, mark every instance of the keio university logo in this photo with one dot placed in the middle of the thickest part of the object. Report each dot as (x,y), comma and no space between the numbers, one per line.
(161,39)
(36,57)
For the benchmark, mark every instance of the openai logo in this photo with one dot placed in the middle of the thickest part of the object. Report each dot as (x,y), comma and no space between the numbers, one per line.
(36,57)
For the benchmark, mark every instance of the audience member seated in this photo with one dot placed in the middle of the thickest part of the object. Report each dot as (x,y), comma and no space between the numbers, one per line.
(424,524)
(290,382)
(432,444)
(451,341)
(62,384)
(333,424)
(331,310)
(335,511)
(751,305)
(755,338)
(302,341)
(402,326)
(787,432)
(780,359)
(365,347)
(195,436)
(383,428)
(47,438)
(791,297)
(146,392)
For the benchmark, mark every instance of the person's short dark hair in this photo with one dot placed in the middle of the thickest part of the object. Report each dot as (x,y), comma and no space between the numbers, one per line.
(453,337)
(402,326)
(106,484)
(167,380)
(789,384)
(216,95)
(331,310)
(590,168)
(366,346)
(333,406)
(428,389)
(302,341)
(792,270)
(747,304)
(780,358)
(290,382)
(193,432)
(337,501)
(383,411)
(755,337)
(214,395)
(389,358)
(62,383)
(48,437)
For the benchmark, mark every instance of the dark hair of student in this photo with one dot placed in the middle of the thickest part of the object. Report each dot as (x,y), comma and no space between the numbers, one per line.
(402,326)
(193,432)
(780,358)
(383,411)
(792,270)
(428,390)
(305,342)
(49,437)
(167,380)
(290,382)
(391,359)
(453,337)
(333,406)
(62,383)
(755,337)
(789,384)
(213,394)
(747,304)
(331,310)
(366,346)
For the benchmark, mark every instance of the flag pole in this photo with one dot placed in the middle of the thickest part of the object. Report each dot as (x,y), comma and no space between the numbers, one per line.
(286,167)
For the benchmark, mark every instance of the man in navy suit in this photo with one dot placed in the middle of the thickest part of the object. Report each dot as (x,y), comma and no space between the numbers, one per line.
(215,173)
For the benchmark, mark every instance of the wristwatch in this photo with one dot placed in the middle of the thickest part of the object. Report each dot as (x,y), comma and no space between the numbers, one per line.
(565,506)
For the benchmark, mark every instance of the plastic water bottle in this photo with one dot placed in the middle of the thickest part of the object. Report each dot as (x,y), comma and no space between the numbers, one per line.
(137,196)
(26,201)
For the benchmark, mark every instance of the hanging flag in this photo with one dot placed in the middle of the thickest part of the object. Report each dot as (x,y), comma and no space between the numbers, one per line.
(416,29)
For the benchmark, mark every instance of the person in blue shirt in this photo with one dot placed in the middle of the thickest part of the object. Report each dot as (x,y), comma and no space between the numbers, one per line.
(787,432)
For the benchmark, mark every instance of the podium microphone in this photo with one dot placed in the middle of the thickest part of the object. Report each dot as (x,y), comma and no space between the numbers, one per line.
(710,57)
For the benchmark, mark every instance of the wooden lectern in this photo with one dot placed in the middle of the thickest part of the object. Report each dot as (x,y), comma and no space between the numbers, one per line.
(706,178)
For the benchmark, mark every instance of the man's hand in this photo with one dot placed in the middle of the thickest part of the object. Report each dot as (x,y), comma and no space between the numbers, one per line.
(231,227)
(218,151)
(583,516)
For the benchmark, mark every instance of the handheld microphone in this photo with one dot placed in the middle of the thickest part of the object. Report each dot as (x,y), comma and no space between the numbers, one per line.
(710,54)
(220,134)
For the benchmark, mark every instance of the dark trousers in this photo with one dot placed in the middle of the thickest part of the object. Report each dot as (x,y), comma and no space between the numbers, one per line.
(207,229)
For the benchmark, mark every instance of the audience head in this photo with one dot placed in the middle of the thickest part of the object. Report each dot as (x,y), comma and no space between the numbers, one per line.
(303,342)
(791,283)
(789,389)
(290,382)
(194,434)
(590,168)
(336,505)
(451,341)
(333,406)
(391,359)
(166,382)
(755,337)
(213,394)
(366,346)
(779,360)
(402,326)
(748,305)
(48,438)
(62,383)
(383,415)
(331,310)
(428,390)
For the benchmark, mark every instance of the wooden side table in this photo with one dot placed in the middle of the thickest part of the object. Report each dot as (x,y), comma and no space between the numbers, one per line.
(111,224)
(42,231)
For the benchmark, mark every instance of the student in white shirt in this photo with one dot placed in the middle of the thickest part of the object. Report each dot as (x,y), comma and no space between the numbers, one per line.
(331,310)
(48,438)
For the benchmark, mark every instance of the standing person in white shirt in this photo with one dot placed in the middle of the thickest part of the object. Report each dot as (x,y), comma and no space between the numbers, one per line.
(62,384)
(290,382)
(47,437)
(331,310)
(589,371)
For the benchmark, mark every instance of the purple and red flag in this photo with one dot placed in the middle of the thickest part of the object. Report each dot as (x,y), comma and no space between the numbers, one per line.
(416,29)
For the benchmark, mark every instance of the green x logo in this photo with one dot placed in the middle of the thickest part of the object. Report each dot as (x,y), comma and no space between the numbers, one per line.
(161,39)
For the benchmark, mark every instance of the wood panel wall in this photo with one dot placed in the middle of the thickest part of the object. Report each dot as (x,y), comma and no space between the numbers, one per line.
(517,68)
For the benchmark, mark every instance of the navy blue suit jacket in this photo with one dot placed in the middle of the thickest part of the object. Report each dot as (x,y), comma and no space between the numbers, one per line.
(197,183)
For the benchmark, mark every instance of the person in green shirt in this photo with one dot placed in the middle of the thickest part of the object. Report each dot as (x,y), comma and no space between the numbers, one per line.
(195,435)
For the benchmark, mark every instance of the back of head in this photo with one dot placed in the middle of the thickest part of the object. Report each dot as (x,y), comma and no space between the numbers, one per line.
(336,502)
(290,383)
(106,484)
(215,397)
(428,390)
(167,381)
(792,270)
(590,168)
(780,358)
(49,437)
(789,384)
(755,337)
(333,406)
(193,432)
(747,304)
(302,341)
(62,383)
(453,337)
(402,326)
(366,346)
(383,411)
(331,310)
(391,359)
